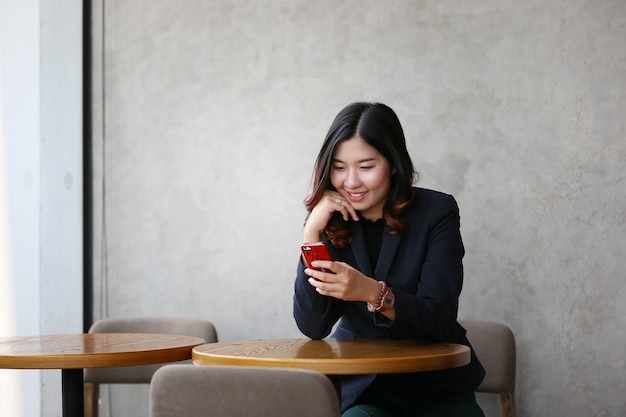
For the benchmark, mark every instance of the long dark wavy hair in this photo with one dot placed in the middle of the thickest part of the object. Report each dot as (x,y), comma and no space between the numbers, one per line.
(378,125)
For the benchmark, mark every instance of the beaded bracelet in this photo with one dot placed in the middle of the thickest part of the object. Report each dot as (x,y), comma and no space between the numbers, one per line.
(379,302)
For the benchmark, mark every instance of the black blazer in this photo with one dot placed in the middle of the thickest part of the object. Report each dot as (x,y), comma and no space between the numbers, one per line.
(423,265)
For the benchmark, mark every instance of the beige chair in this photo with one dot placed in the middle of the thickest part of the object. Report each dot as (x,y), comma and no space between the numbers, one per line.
(203,329)
(234,391)
(494,344)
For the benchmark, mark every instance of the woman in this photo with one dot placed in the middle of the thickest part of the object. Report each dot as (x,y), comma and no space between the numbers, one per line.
(397,269)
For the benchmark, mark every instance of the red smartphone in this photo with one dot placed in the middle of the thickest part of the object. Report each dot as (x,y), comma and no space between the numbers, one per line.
(316,251)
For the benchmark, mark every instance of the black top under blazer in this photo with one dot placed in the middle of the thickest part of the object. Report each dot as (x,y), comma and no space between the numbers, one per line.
(423,266)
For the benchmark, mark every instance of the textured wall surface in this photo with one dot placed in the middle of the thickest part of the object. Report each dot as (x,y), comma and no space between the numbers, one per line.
(213,113)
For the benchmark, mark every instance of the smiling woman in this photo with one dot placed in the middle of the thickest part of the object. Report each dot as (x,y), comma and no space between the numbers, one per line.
(397,266)
(362,176)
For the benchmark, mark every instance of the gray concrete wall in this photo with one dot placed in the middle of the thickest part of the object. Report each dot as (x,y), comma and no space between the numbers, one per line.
(214,111)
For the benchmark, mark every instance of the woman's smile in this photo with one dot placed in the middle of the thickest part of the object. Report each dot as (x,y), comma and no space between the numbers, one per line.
(356,197)
(362,175)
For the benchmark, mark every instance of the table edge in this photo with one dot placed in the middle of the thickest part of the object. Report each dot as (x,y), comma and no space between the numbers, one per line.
(101,359)
(354,366)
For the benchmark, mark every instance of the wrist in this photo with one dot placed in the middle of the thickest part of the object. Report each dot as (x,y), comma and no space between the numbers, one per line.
(313,229)
(380,295)
(311,236)
(389,301)
(385,299)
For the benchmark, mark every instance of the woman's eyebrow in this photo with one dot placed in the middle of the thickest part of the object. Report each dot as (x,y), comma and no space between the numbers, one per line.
(360,161)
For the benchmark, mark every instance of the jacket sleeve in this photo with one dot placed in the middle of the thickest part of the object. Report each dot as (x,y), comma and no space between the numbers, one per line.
(430,313)
(315,314)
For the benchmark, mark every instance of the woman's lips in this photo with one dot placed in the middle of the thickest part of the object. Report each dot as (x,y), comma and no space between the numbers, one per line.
(356,197)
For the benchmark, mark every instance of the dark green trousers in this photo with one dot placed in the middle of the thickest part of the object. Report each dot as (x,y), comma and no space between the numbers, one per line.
(465,406)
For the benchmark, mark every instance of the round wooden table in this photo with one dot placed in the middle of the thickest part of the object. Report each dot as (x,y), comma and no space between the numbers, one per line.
(74,352)
(336,356)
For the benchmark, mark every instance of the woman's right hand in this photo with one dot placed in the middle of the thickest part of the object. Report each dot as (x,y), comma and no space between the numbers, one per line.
(330,203)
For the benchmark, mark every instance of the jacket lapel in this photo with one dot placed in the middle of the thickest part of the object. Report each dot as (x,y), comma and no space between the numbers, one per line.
(359,249)
(385,258)
(387,253)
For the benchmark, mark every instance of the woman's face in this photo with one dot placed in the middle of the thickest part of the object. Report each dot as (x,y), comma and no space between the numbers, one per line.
(362,176)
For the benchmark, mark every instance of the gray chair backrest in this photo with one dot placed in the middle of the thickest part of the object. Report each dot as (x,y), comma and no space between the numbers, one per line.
(203,329)
(494,344)
(234,391)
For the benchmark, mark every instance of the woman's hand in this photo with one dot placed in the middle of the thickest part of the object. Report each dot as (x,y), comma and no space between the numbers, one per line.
(344,283)
(330,203)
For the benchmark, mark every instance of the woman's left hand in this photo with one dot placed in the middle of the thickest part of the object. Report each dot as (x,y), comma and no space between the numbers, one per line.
(345,282)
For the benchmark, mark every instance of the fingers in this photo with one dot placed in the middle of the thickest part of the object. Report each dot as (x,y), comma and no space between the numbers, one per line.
(322,288)
(321,272)
(343,206)
(343,282)
(315,279)
(324,265)
(321,214)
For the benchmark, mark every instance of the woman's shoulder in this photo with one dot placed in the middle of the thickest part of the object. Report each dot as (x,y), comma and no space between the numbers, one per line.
(429,195)
(425,199)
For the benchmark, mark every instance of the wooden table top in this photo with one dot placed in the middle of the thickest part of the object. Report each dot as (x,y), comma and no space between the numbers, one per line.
(336,356)
(96,350)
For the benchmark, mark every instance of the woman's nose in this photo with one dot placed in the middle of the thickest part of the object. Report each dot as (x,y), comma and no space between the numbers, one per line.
(352,179)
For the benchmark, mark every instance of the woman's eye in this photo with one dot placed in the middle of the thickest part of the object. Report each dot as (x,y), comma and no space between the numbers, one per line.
(338,168)
(368,167)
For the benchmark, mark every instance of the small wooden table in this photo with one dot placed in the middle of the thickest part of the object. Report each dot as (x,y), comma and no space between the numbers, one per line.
(72,353)
(336,356)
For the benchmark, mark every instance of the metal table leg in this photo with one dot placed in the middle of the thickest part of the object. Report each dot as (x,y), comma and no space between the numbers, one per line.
(72,386)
